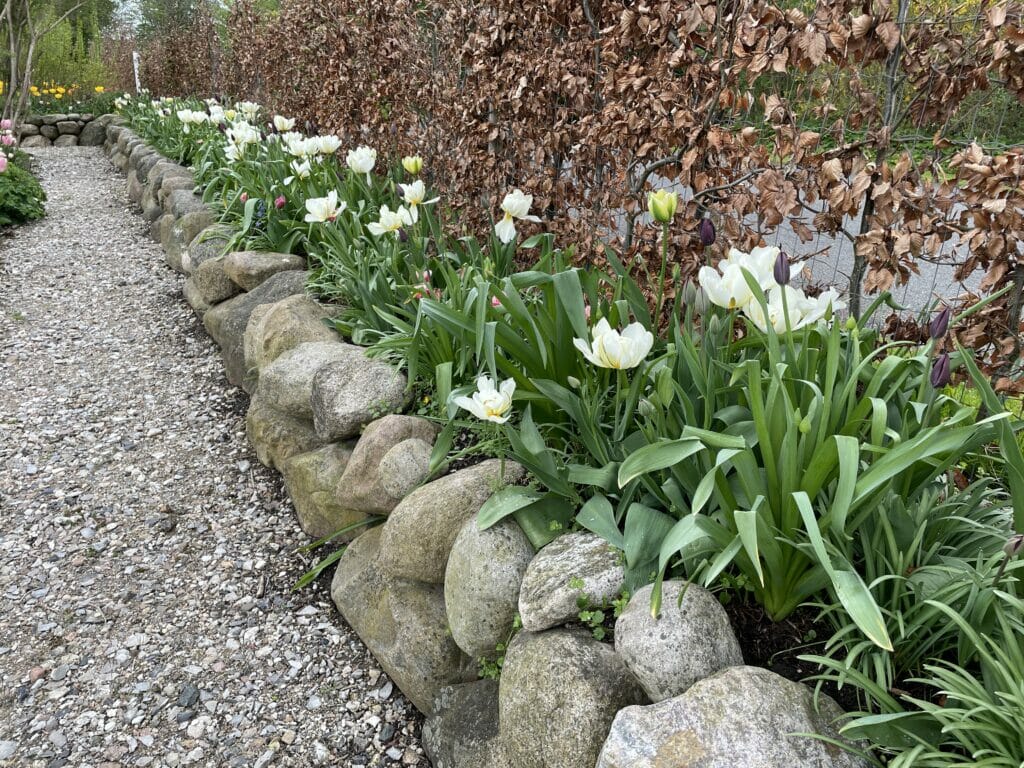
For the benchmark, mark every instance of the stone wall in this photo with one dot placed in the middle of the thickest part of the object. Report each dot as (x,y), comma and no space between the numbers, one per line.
(61,130)
(428,592)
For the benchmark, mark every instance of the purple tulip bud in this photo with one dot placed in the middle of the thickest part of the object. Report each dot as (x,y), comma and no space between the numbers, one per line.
(222,127)
(782,269)
(707,231)
(1014,545)
(400,190)
(403,236)
(940,323)
(940,371)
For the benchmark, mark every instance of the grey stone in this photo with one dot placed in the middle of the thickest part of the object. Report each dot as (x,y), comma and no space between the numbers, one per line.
(145,165)
(183,202)
(210,243)
(65,140)
(182,233)
(250,268)
(208,285)
(363,482)
(691,639)
(160,229)
(138,152)
(92,134)
(462,730)
(402,623)
(311,479)
(67,128)
(277,436)
(135,188)
(404,467)
(287,383)
(558,695)
(284,325)
(35,120)
(35,141)
(348,394)
(418,535)
(49,131)
(51,119)
(226,322)
(169,183)
(549,597)
(742,717)
(27,129)
(481,584)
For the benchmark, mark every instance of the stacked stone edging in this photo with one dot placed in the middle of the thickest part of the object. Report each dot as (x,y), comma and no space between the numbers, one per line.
(60,130)
(427,591)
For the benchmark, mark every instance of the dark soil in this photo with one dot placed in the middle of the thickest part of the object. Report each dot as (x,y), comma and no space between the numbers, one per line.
(776,645)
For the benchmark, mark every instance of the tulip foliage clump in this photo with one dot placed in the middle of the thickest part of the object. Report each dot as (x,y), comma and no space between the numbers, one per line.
(737,431)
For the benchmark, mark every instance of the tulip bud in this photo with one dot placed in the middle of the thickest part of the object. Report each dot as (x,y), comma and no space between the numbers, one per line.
(689,293)
(222,127)
(1014,545)
(940,371)
(940,323)
(851,323)
(279,202)
(244,197)
(662,205)
(413,164)
(707,231)
(403,236)
(400,190)
(573,382)
(781,271)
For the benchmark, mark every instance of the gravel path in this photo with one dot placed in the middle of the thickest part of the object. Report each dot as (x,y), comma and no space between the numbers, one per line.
(146,559)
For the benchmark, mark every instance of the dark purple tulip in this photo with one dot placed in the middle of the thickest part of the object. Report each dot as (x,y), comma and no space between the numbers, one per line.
(782,269)
(400,190)
(403,236)
(222,127)
(707,231)
(940,323)
(1014,545)
(940,371)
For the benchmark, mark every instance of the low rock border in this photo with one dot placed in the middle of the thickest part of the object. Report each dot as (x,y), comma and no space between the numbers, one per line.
(430,594)
(63,130)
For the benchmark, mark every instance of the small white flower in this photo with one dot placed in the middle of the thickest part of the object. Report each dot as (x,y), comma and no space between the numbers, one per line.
(361,160)
(413,194)
(190,117)
(611,349)
(321,209)
(299,171)
(516,205)
(390,221)
(283,124)
(249,109)
(727,287)
(488,403)
(800,309)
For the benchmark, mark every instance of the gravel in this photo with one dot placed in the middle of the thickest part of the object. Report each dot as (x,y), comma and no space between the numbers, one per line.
(146,558)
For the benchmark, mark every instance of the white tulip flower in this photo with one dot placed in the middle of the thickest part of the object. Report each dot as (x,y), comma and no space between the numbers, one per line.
(249,109)
(283,124)
(361,160)
(413,194)
(816,308)
(390,221)
(488,403)
(611,349)
(799,309)
(727,287)
(328,145)
(299,171)
(190,117)
(322,209)
(516,205)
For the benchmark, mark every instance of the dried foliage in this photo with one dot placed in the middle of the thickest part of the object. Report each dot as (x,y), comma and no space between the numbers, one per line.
(800,117)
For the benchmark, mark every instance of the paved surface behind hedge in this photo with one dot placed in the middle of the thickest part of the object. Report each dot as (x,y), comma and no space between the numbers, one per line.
(146,559)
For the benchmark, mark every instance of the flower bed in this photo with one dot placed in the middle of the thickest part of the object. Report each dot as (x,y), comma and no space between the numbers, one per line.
(740,437)
(21,197)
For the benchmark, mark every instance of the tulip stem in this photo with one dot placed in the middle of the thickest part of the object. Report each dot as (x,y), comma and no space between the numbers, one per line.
(661,278)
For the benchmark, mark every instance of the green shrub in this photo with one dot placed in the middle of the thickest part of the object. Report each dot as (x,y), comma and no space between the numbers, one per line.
(21,197)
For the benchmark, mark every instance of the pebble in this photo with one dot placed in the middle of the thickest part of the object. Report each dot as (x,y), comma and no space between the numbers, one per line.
(125,640)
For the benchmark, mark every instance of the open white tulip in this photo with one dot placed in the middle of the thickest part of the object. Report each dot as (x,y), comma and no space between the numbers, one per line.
(250,109)
(361,160)
(727,287)
(800,309)
(390,221)
(488,403)
(611,349)
(516,205)
(328,145)
(299,171)
(816,308)
(283,124)
(321,209)
(413,194)
(190,117)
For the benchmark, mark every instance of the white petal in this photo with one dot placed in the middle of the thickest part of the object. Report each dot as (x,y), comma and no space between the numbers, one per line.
(505,230)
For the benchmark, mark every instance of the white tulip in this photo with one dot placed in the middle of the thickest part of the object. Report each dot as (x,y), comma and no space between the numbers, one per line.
(611,349)
(299,171)
(800,309)
(283,124)
(413,194)
(249,109)
(190,117)
(390,221)
(361,160)
(516,205)
(488,403)
(328,145)
(321,209)
(816,308)
(727,286)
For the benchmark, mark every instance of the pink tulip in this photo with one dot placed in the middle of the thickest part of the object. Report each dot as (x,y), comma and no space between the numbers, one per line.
(244,197)
(7,140)
(279,202)
(3,163)
(494,302)
(6,125)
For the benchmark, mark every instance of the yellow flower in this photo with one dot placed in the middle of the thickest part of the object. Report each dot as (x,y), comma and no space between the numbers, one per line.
(662,205)
(99,89)
(413,164)
(58,95)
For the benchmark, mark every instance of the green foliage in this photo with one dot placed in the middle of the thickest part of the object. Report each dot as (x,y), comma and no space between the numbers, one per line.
(599,616)
(21,197)
(489,667)
(71,55)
